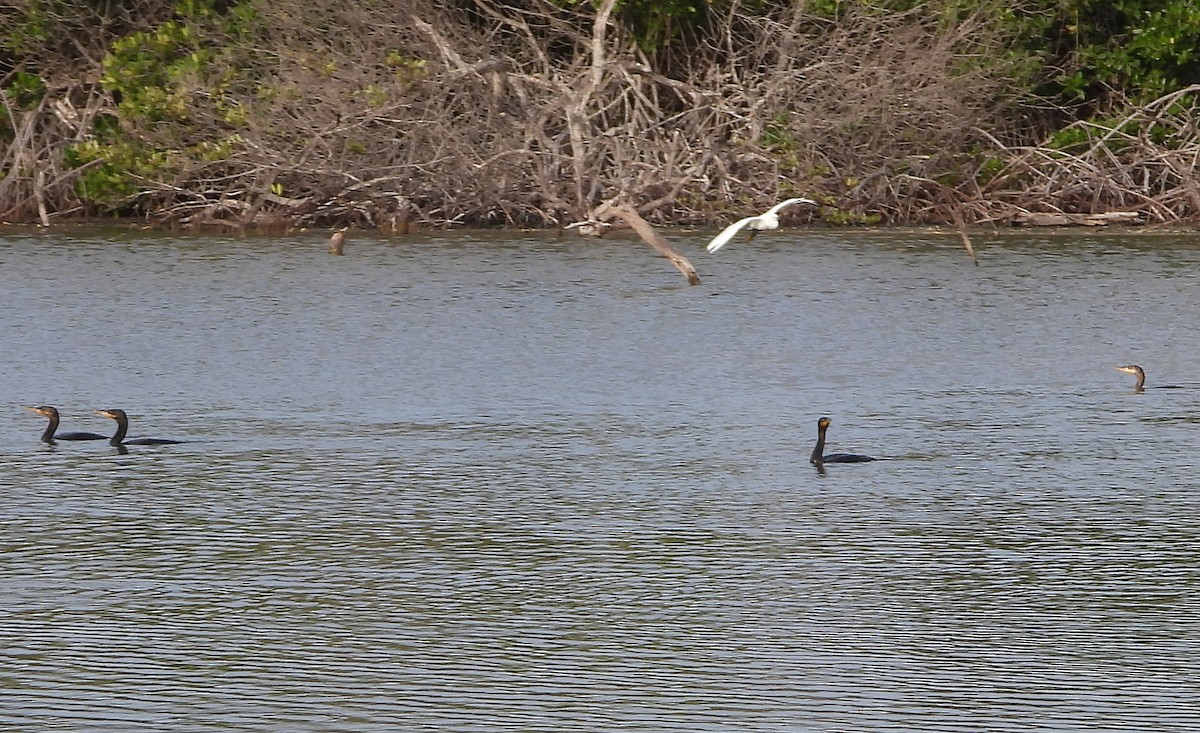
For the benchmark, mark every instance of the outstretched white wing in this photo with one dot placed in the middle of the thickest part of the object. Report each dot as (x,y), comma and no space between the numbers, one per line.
(730,232)
(784,204)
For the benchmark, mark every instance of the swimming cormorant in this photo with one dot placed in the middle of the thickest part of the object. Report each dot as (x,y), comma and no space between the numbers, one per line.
(49,437)
(1140,373)
(819,456)
(118,438)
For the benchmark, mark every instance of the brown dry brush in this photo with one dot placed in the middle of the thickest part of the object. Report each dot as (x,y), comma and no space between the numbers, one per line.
(35,185)
(534,115)
(1146,161)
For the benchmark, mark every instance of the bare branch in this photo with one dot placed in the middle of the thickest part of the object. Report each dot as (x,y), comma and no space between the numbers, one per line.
(651,236)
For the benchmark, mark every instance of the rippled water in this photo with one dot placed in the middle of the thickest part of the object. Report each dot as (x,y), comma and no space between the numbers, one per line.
(473,483)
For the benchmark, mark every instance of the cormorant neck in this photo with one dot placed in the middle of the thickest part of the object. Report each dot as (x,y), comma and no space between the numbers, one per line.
(48,436)
(119,437)
(818,455)
(1141,382)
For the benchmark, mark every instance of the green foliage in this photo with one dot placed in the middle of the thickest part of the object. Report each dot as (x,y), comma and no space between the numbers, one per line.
(841,217)
(406,68)
(777,137)
(989,169)
(198,9)
(1073,138)
(375,96)
(1170,128)
(46,33)
(114,170)
(1141,48)
(657,24)
(835,9)
(169,88)
(21,32)
(155,73)
(148,71)
(946,11)
(25,90)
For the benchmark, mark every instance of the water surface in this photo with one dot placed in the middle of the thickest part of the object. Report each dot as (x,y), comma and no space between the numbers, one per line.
(475,482)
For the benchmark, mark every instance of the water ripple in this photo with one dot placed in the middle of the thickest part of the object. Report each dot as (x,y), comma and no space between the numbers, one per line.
(418,498)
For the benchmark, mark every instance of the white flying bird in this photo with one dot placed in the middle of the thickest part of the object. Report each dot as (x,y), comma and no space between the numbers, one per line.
(769,220)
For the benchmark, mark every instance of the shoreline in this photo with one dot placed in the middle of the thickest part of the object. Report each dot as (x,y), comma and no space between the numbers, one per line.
(1114,229)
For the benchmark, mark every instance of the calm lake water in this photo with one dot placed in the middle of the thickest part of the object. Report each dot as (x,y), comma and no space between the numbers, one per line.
(475,482)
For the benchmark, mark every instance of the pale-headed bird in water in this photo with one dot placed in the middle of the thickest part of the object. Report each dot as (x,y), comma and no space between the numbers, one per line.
(338,241)
(1140,373)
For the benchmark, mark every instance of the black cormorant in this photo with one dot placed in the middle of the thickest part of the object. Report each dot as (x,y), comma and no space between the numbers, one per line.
(49,437)
(118,438)
(1140,373)
(819,456)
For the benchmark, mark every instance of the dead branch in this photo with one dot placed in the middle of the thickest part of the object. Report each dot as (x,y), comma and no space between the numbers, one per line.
(651,236)
(962,233)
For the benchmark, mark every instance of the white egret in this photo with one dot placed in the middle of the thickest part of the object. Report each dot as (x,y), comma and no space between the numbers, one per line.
(769,220)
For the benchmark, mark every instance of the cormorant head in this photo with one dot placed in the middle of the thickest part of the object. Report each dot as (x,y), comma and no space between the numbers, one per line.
(824,423)
(1131,369)
(112,414)
(43,410)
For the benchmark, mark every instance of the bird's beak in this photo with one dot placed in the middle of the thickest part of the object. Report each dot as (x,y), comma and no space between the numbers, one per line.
(32,409)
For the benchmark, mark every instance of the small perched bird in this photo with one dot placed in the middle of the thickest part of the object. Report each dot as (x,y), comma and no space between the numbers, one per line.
(762,222)
(337,241)
(49,437)
(118,438)
(820,457)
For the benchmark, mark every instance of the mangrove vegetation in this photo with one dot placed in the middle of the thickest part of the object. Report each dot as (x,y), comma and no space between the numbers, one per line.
(271,114)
